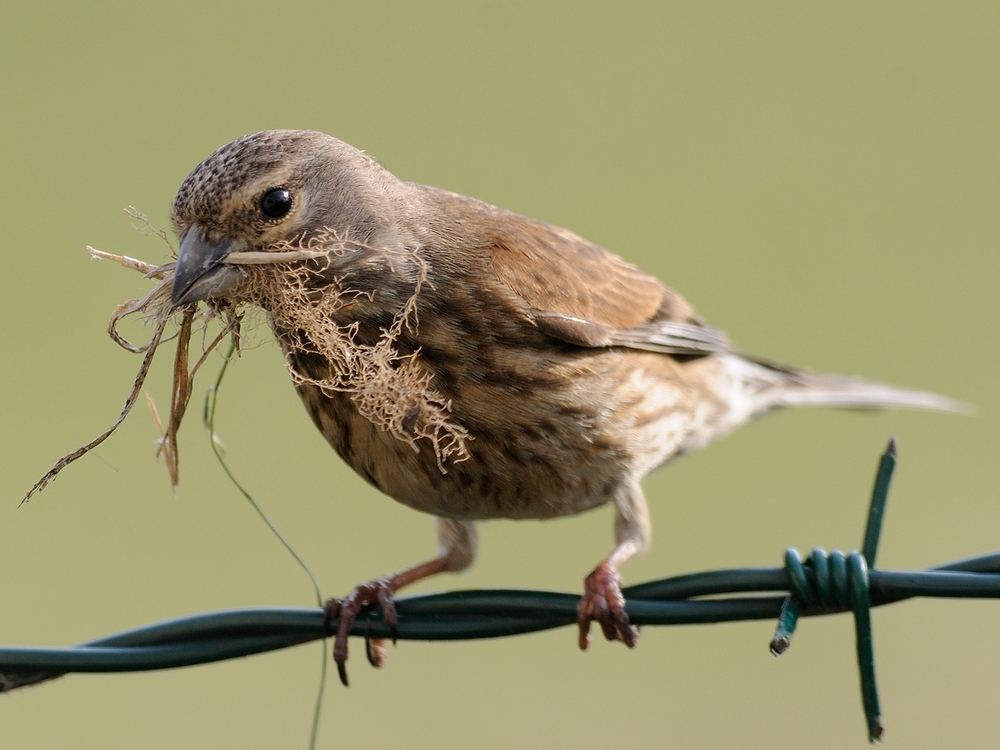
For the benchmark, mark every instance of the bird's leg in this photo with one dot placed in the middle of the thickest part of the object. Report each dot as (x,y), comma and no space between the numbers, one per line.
(602,598)
(457,544)
(379,591)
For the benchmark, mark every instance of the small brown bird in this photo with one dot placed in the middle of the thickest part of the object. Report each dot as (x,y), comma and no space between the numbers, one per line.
(469,362)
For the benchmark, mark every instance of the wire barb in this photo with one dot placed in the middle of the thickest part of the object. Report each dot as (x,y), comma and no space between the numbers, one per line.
(880,496)
(834,582)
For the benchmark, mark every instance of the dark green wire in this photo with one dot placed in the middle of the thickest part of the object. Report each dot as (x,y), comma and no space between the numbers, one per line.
(825,583)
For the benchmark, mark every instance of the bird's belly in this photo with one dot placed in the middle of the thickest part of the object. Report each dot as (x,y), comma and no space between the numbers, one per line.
(535,452)
(519,471)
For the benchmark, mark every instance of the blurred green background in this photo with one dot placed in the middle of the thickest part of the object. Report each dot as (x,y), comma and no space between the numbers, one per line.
(822,183)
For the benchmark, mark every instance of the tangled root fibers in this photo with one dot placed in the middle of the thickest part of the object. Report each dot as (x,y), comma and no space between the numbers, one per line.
(392,390)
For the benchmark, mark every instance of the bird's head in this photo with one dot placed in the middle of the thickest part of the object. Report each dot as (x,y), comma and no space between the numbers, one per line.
(270,190)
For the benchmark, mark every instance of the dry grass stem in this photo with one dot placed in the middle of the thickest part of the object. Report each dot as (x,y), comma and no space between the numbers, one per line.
(250,258)
(183,386)
(141,224)
(83,450)
(149,270)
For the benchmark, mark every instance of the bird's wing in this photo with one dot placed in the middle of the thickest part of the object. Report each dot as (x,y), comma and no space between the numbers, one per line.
(582,294)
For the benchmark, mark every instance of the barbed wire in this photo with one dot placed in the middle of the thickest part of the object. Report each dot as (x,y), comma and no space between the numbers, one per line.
(822,584)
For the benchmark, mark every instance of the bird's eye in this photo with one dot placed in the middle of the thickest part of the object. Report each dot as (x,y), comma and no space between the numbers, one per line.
(276,202)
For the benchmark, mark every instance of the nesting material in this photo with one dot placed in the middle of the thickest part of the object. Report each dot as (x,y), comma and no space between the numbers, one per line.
(156,307)
(392,390)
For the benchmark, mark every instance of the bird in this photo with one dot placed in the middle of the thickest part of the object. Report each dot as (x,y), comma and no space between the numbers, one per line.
(469,362)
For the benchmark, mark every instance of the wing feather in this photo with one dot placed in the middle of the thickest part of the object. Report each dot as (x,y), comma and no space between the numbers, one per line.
(580,293)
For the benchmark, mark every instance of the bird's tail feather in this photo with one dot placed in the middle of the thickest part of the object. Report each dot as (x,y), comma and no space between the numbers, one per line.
(791,387)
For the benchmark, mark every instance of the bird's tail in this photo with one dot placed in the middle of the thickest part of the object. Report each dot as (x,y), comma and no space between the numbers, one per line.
(781,386)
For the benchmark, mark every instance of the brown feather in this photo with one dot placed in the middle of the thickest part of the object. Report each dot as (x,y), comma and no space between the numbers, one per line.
(556,271)
(582,294)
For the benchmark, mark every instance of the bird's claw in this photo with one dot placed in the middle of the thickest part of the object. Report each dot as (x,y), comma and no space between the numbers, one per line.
(603,601)
(346,612)
(375,650)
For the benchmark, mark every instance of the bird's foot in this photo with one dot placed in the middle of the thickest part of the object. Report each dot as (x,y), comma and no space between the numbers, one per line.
(346,611)
(603,601)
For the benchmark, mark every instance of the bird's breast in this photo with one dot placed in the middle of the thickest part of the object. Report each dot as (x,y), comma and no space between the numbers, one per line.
(551,429)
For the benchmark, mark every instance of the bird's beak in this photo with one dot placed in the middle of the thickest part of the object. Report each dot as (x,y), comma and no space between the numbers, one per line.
(200,273)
